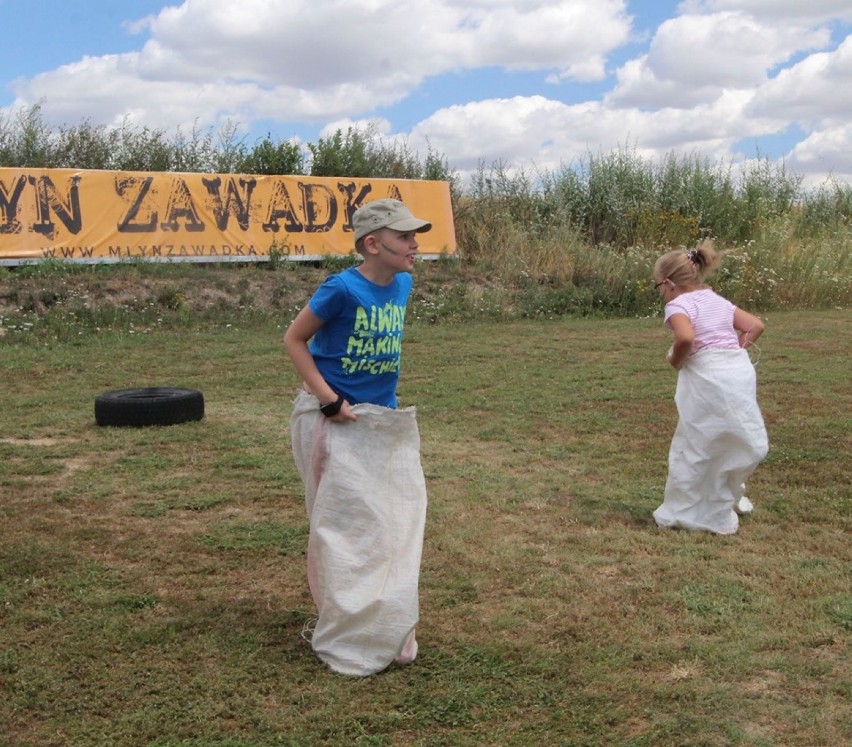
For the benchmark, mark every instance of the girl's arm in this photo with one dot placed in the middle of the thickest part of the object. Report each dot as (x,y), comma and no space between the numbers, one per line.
(301,330)
(748,326)
(684,338)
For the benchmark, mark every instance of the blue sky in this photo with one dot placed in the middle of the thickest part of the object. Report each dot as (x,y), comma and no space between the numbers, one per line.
(533,84)
(41,35)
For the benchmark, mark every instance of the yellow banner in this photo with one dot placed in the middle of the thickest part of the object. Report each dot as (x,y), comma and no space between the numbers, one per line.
(108,216)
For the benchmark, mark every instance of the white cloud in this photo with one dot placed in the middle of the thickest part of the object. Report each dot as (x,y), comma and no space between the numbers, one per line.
(571,38)
(294,60)
(815,90)
(540,132)
(695,58)
(705,86)
(807,11)
(825,152)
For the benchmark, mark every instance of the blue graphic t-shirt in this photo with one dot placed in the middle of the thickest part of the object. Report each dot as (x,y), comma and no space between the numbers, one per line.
(357,348)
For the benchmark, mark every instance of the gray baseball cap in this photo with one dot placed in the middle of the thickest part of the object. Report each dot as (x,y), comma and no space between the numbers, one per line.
(386,214)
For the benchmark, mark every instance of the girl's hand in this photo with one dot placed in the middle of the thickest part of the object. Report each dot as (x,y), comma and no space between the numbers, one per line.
(671,361)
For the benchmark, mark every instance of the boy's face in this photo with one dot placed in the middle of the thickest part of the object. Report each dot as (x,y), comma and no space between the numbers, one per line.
(396,250)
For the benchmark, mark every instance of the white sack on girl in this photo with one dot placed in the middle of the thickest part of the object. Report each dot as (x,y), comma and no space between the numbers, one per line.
(719,441)
(366,500)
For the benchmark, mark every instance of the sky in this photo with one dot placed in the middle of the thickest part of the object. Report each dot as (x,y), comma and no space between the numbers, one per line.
(530,84)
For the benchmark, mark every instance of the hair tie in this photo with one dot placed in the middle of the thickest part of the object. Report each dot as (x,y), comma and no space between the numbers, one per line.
(693,256)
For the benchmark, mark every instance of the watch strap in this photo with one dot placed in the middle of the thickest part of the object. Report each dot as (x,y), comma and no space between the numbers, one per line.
(332,408)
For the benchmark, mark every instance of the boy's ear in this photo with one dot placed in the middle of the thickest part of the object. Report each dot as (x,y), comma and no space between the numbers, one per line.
(371,244)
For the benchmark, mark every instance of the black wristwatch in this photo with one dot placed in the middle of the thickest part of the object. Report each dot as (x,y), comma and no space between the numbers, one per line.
(332,408)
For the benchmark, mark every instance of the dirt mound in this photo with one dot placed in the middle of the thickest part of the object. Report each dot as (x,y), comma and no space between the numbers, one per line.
(196,289)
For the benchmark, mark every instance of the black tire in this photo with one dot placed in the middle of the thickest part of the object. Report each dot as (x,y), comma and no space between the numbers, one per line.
(148,406)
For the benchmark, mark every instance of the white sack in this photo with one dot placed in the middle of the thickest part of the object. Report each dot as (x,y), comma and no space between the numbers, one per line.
(366,500)
(719,441)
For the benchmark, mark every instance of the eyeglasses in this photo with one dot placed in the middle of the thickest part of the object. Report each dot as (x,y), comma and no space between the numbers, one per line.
(657,285)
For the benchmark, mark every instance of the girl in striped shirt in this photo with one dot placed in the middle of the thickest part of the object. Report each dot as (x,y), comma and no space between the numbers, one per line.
(720,437)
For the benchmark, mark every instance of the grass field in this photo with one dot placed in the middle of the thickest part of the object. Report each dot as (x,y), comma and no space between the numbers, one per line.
(152,581)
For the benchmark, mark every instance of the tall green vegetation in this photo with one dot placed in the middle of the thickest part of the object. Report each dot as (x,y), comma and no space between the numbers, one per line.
(366,154)
(27,141)
(578,239)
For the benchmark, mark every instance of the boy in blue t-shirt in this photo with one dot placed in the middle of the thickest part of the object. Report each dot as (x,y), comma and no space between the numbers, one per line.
(357,453)
(346,342)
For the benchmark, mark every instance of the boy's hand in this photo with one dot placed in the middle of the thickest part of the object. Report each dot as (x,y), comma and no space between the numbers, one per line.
(345,415)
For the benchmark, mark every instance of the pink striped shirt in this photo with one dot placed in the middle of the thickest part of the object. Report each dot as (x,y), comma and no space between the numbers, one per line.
(711,316)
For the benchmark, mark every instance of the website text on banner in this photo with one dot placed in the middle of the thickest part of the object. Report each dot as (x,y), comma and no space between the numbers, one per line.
(107,216)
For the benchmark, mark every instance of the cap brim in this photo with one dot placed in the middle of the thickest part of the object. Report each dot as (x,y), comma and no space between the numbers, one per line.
(410,224)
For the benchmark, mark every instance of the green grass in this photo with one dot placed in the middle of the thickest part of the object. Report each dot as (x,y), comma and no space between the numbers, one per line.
(152,582)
